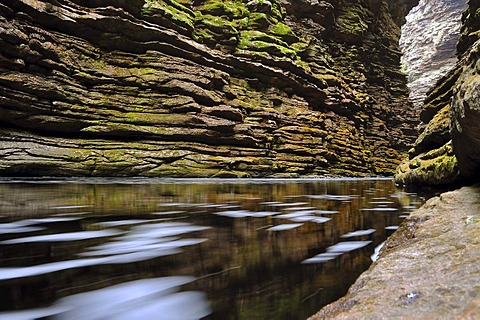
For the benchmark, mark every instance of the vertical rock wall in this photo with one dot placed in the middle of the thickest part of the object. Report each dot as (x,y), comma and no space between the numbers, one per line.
(428,43)
(446,152)
(202,88)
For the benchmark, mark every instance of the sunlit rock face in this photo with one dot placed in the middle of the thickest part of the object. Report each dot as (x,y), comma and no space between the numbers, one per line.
(428,42)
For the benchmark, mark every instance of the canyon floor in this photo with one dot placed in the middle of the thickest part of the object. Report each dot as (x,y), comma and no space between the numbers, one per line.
(428,269)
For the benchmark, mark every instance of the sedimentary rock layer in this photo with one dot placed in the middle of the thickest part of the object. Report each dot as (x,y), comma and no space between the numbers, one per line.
(465,115)
(202,88)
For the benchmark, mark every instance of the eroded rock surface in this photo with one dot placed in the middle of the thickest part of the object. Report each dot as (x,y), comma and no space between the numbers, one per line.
(429,269)
(446,151)
(202,88)
(465,114)
(428,41)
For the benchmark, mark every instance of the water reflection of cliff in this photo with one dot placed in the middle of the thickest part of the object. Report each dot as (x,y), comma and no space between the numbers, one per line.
(245,270)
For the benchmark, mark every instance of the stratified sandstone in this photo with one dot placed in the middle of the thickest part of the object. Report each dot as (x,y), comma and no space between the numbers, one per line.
(202,88)
(429,268)
(470,32)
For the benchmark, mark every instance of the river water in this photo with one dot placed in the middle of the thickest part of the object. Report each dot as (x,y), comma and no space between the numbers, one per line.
(188,249)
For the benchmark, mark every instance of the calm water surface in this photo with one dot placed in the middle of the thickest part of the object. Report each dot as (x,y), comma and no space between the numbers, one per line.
(188,249)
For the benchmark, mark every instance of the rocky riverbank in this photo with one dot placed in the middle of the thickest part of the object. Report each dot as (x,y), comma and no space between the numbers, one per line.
(429,268)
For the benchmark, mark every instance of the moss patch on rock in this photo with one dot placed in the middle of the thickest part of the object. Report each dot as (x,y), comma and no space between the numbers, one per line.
(170,13)
(352,21)
(436,167)
(253,28)
(435,134)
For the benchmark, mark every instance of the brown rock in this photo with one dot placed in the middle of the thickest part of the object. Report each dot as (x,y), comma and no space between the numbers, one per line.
(428,269)
(435,134)
(435,167)
(465,114)
(143,89)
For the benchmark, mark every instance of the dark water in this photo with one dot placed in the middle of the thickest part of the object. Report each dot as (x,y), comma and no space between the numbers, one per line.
(187,249)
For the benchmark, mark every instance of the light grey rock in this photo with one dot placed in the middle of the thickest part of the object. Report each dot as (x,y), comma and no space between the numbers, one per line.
(428,43)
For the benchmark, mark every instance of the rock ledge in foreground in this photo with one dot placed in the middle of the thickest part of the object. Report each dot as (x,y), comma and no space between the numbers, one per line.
(429,269)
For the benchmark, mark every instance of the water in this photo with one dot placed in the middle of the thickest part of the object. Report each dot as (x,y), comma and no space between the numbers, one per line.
(188,249)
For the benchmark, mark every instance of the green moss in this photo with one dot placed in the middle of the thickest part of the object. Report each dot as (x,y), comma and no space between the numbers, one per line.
(234,10)
(300,46)
(436,167)
(278,11)
(184,2)
(144,118)
(215,30)
(352,20)
(284,32)
(241,24)
(217,24)
(281,29)
(260,21)
(261,42)
(255,30)
(304,65)
(271,7)
(171,13)
(247,38)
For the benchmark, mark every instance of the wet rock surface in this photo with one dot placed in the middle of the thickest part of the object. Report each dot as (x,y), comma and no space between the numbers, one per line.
(429,268)
(204,88)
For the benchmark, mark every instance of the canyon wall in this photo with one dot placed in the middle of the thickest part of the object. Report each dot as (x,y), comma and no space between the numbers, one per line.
(443,234)
(203,88)
(428,42)
(447,150)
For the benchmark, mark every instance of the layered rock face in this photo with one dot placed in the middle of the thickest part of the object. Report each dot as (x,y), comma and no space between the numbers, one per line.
(447,150)
(428,41)
(202,88)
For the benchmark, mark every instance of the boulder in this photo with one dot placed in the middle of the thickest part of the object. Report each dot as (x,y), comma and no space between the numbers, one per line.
(435,167)
(428,269)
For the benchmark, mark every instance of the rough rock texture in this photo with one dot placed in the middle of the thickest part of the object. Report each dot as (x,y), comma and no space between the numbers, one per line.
(451,115)
(435,167)
(428,42)
(429,269)
(470,31)
(465,115)
(202,88)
